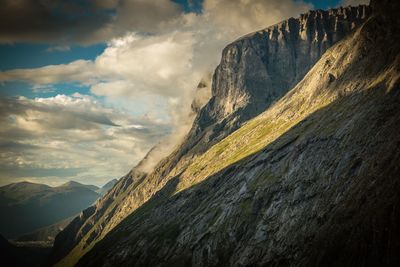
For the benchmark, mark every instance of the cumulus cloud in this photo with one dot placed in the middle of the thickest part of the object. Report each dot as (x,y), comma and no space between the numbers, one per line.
(244,16)
(71,137)
(129,65)
(69,21)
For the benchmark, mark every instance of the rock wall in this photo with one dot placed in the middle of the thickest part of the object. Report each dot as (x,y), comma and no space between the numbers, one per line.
(255,71)
(312,181)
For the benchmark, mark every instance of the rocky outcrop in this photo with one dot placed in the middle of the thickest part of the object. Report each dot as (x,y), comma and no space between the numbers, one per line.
(259,68)
(312,181)
(255,71)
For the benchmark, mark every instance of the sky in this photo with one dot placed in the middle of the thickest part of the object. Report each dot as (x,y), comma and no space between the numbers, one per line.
(87,88)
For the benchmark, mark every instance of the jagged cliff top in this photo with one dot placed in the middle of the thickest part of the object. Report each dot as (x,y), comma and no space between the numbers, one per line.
(340,13)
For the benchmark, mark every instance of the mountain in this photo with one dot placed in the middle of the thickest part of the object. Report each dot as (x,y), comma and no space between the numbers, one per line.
(105,188)
(73,184)
(255,72)
(27,206)
(45,234)
(259,68)
(313,180)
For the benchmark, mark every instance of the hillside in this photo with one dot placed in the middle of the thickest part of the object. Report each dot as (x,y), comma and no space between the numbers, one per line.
(27,207)
(260,66)
(45,234)
(313,180)
(309,181)
(21,256)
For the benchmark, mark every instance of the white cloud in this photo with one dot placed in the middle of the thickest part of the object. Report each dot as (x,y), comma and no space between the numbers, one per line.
(161,64)
(72,137)
(244,16)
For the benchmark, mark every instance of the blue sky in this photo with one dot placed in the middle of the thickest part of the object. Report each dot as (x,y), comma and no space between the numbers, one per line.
(84,97)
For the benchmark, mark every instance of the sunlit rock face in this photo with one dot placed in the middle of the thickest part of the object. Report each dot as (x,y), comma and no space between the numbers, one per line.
(261,67)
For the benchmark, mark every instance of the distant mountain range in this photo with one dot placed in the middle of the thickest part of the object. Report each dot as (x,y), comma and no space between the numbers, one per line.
(39,211)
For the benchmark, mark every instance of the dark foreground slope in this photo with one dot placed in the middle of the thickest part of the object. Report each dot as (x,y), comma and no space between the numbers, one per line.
(21,256)
(254,72)
(314,180)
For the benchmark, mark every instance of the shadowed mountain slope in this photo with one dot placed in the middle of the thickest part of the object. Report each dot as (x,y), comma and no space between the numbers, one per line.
(21,256)
(201,158)
(281,55)
(311,181)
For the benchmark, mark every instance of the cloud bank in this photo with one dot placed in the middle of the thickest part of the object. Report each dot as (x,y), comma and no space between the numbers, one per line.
(71,137)
(84,22)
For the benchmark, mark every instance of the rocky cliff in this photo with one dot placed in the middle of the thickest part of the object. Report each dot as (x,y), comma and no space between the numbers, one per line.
(311,181)
(255,71)
(261,67)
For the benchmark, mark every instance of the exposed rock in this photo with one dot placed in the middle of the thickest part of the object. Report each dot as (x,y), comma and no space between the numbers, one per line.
(255,72)
(259,68)
(312,181)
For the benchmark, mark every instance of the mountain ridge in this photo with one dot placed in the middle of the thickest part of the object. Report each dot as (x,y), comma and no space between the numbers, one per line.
(137,187)
(302,184)
(30,206)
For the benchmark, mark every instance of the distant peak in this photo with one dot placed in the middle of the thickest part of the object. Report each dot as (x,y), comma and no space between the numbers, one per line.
(71,184)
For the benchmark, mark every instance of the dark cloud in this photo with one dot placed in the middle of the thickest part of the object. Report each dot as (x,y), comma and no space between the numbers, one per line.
(68,21)
(49,21)
(15,146)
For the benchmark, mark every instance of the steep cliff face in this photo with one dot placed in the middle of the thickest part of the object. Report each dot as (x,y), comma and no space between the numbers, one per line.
(312,181)
(261,67)
(255,71)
